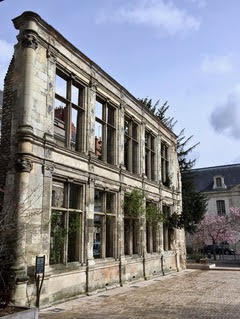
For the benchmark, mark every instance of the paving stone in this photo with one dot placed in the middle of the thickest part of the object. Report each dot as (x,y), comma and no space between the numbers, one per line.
(189,294)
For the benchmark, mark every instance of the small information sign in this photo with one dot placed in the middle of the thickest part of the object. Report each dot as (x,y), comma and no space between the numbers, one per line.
(40,265)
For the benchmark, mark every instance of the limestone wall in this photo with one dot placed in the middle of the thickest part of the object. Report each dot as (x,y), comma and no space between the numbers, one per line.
(38,160)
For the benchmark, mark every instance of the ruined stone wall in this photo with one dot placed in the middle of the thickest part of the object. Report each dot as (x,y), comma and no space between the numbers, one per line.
(7,109)
(39,161)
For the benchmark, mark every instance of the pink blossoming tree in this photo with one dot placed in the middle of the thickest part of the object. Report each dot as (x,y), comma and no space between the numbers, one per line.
(217,229)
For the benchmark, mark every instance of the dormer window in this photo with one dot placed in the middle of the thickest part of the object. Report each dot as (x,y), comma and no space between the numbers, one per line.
(218,182)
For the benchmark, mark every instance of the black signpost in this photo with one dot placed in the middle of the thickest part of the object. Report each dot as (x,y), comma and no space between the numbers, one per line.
(39,276)
(162,266)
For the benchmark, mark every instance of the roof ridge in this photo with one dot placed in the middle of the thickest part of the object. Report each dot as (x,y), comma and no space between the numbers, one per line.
(215,167)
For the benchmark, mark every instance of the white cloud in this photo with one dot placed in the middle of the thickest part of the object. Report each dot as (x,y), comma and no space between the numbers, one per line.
(160,14)
(6,50)
(217,65)
(225,118)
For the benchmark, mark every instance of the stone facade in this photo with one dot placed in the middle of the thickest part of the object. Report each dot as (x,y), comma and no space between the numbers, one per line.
(221,185)
(74,144)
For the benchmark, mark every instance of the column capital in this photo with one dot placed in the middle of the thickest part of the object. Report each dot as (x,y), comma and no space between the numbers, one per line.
(23,163)
(48,169)
(93,84)
(28,39)
(51,55)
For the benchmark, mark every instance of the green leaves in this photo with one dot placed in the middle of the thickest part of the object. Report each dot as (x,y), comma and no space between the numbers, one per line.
(153,214)
(134,204)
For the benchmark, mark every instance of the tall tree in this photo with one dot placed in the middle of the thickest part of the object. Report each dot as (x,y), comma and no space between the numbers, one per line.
(194,203)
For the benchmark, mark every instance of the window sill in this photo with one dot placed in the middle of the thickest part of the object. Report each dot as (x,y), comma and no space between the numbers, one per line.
(132,175)
(62,268)
(151,181)
(106,260)
(134,256)
(105,164)
(77,154)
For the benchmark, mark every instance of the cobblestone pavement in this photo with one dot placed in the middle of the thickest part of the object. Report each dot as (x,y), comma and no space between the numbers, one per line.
(189,294)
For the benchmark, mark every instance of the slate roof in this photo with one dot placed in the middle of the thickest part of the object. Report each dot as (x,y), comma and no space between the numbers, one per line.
(203,177)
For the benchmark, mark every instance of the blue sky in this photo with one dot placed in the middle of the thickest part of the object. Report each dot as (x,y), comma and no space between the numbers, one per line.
(184,51)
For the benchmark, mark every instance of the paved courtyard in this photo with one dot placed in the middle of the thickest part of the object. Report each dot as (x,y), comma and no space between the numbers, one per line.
(189,294)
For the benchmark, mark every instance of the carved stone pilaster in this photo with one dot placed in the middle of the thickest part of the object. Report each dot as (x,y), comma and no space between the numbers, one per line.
(93,84)
(91,181)
(29,40)
(51,55)
(123,105)
(48,169)
(23,164)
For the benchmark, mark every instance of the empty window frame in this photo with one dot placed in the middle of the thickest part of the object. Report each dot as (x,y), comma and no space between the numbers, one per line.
(221,209)
(167,233)
(68,112)
(150,155)
(131,235)
(130,145)
(104,224)
(218,182)
(165,164)
(66,223)
(105,131)
(151,233)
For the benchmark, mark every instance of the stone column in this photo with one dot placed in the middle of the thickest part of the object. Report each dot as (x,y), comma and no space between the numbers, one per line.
(120,225)
(120,134)
(158,158)
(26,52)
(142,149)
(44,247)
(91,109)
(20,206)
(143,240)
(28,44)
(161,247)
(89,236)
(51,87)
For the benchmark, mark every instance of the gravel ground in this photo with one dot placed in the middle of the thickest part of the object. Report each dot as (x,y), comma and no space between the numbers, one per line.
(189,294)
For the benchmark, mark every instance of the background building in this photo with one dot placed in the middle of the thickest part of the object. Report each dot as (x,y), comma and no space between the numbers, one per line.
(221,185)
(75,143)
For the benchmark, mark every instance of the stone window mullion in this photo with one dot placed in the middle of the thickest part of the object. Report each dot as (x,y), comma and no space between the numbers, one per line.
(151,238)
(131,234)
(130,147)
(104,133)
(69,114)
(104,234)
(66,222)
